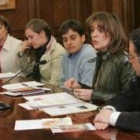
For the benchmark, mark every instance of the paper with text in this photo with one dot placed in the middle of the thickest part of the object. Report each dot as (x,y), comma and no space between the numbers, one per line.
(72,128)
(41,123)
(69,109)
(50,100)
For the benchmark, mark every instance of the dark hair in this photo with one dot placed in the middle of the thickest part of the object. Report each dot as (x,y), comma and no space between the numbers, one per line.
(111,24)
(6,23)
(38,25)
(71,24)
(135,38)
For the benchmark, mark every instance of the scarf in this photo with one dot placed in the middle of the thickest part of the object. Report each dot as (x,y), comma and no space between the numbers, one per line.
(36,71)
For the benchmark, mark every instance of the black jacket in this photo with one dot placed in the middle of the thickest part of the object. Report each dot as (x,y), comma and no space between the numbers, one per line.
(129,104)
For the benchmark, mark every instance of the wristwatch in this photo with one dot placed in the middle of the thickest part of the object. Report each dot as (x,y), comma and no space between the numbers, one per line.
(20,54)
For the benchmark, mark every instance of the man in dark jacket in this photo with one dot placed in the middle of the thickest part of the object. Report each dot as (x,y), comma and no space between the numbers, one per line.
(123,111)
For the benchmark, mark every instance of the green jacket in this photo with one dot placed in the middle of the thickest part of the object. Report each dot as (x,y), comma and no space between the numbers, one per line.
(113,76)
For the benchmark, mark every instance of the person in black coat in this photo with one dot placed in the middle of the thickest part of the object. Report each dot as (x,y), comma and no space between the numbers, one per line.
(123,111)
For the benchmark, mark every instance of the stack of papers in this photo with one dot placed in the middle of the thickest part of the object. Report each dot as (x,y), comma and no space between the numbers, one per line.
(51,100)
(6,75)
(22,85)
(41,123)
(24,88)
(72,128)
(23,92)
(59,104)
(57,125)
(69,109)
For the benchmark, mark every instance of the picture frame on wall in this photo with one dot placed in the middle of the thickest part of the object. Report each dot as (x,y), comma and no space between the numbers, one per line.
(7,4)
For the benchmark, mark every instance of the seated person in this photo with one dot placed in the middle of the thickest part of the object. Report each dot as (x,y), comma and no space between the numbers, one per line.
(113,72)
(123,111)
(77,62)
(40,55)
(9,46)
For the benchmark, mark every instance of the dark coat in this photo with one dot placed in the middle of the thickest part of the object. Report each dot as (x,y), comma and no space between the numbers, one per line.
(129,104)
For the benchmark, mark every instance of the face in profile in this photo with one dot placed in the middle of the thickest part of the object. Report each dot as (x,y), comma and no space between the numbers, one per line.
(3,32)
(100,39)
(134,59)
(72,41)
(35,40)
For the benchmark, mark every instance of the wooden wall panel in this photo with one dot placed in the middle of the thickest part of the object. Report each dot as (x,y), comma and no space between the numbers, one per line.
(123,8)
(45,11)
(18,17)
(55,12)
(61,11)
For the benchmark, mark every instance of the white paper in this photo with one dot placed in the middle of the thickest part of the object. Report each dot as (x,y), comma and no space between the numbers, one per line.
(47,123)
(72,128)
(69,109)
(28,124)
(32,84)
(43,88)
(7,75)
(26,106)
(22,85)
(41,123)
(49,100)
(14,86)
(11,93)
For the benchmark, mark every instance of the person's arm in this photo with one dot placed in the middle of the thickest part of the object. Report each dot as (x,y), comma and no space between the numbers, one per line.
(125,77)
(129,121)
(101,97)
(126,103)
(25,58)
(56,67)
(24,61)
(123,120)
(86,65)
(63,78)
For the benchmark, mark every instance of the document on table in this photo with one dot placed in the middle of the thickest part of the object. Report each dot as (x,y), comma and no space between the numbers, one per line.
(28,124)
(59,104)
(23,91)
(69,109)
(50,100)
(26,106)
(7,75)
(72,128)
(41,123)
(24,88)
(22,85)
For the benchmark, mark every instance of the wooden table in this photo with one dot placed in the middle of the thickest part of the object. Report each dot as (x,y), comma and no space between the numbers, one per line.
(8,118)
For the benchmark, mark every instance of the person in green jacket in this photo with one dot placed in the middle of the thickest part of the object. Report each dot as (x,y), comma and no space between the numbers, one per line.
(113,72)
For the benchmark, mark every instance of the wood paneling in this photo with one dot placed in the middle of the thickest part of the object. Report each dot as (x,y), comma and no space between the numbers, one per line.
(123,8)
(55,12)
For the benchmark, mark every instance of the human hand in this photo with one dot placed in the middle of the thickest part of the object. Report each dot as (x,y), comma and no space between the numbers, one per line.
(84,94)
(24,46)
(102,119)
(101,125)
(71,84)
